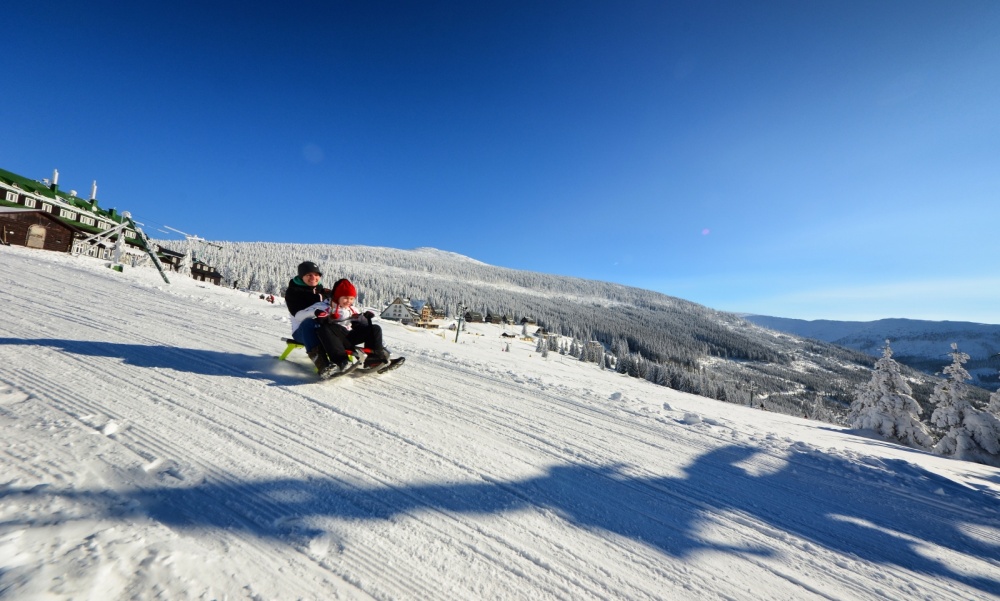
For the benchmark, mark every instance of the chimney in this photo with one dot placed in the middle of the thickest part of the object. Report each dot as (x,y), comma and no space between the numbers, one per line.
(55,180)
(93,190)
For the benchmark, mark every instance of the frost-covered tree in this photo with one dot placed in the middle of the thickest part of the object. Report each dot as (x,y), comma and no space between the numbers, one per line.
(184,267)
(970,434)
(886,405)
(994,406)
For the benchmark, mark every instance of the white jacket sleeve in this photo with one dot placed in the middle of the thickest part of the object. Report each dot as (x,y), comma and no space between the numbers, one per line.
(308,313)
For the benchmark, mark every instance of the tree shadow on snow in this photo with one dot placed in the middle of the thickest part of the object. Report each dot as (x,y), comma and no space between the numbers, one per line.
(881,513)
(184,360)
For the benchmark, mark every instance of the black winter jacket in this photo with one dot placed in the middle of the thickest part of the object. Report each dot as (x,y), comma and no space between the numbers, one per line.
(299,295)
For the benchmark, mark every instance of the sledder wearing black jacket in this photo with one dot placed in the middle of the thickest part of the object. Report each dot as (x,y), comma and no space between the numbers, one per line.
(305,297)
(301,296)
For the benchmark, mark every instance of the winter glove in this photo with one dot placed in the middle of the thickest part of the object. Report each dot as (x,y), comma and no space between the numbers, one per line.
(369,315)
(321,313)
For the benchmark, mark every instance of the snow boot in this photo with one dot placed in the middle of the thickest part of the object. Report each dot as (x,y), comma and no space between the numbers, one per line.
(335,370)
(319,359)
(376,359)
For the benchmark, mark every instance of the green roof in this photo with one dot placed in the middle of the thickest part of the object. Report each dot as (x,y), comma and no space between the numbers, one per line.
(29,185)
(36,187)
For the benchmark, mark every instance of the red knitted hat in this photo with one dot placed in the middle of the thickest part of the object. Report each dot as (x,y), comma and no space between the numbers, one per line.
(344,287)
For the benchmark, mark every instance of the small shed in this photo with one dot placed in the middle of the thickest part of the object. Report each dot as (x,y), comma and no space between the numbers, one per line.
(35,228)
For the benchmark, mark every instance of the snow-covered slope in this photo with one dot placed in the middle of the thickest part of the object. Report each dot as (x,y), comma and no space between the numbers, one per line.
(918,343)
(155,448)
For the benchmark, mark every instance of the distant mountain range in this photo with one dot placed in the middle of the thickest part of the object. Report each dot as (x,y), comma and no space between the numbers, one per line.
(923,345)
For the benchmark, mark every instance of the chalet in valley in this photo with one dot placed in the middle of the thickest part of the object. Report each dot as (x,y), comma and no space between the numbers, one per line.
(400,310)
(419,313)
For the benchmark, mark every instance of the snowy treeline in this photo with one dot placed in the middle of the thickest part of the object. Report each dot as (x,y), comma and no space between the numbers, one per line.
(666,340)
(885,405)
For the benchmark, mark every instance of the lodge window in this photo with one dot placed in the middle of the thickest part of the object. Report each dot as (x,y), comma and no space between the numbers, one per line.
(46,207)
(29,202)
(11,196)
(67,214)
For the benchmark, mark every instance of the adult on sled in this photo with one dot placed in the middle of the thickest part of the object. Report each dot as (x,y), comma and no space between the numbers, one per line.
(304,297)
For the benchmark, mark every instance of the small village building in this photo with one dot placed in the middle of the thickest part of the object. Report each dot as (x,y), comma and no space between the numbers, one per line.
(426,315)
(473,317)
(205,273)
(400,310)
(201,271)
(171,259)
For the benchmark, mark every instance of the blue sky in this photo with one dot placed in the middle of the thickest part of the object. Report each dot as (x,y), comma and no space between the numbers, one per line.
(808,159)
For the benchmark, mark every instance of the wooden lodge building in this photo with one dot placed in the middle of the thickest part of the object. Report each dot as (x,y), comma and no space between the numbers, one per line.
(51,219)
(35,228)
(40,215)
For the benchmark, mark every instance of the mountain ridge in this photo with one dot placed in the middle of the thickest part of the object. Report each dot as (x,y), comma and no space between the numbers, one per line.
(921,344)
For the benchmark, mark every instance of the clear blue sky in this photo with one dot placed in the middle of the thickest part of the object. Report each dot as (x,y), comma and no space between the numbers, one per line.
(810,159)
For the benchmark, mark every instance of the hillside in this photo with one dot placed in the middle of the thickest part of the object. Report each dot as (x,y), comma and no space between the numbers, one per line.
(920,344)
(666,340)
(155,448)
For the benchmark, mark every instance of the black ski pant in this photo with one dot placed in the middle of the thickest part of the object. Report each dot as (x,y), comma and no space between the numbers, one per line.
(335,340)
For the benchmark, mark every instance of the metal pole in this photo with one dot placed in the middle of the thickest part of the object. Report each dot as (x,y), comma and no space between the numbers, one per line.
(458,324)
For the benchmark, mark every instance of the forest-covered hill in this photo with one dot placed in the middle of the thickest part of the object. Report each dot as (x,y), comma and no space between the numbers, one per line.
(664,339)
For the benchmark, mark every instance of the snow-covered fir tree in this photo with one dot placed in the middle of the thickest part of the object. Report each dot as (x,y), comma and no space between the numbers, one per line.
(184,267)
(886,405)
(970,434)
(994,406)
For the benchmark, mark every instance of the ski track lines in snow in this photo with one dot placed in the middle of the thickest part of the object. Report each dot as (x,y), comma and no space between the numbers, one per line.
(694,496)
(164,429)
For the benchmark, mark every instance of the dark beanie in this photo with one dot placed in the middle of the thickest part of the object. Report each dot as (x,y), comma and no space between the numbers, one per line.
(344,288)
(309,267)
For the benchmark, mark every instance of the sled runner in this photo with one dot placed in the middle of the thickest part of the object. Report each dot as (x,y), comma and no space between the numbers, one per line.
(380,367)
(369,365)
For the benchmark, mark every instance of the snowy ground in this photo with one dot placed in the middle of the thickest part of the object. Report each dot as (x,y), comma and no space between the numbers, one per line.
(153,447)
